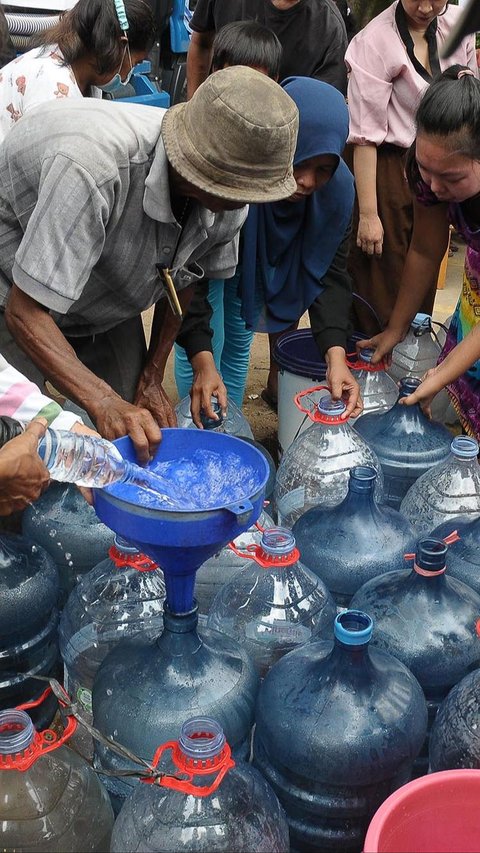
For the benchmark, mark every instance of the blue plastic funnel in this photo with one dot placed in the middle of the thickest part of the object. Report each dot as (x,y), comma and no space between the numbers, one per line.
(180,541)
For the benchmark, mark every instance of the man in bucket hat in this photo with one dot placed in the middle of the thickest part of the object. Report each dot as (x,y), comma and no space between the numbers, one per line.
(105,208)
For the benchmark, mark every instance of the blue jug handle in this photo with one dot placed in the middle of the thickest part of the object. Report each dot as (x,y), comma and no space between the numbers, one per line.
(242,510)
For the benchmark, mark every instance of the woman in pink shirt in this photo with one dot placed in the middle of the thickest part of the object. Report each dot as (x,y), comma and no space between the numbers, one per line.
(391,62)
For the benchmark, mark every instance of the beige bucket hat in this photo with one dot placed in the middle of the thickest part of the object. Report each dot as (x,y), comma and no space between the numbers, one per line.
(235,138)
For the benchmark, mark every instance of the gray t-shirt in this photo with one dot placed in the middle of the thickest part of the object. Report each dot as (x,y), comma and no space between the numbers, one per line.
(85,215)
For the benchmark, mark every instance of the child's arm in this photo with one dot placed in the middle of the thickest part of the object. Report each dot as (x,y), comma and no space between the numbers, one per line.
(457,362)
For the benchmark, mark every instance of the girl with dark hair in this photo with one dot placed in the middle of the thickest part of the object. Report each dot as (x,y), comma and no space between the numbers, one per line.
(444,175)
(391,63)
(93,48)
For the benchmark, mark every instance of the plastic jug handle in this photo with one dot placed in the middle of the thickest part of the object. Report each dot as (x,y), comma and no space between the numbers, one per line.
(43,742)
(220,764)
(301,394)
(266,561)
(139,562)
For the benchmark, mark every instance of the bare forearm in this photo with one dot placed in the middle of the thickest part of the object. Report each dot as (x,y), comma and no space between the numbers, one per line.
(365,169)
(165,329)
(459,359)
(40,338)
(419,277)
(199,60)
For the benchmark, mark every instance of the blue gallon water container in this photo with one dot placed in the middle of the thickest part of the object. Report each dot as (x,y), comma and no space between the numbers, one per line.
(144,689)
(463,550)
(428,620)
(314,471)
(120,598)
(406,442)
(64,524)
(450,489)
(356,540)
(455,737)
(51,799)
(337,730)
(224,807)
(28,624)
(220,569)
(273,604)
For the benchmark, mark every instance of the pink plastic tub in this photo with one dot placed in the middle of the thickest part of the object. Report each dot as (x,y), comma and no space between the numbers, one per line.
(439,813)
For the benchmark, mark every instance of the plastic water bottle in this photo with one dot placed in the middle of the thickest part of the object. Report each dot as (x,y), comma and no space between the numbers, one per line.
(314,471)
(464,552)
(87,460)
(379,391)
(274,604)
(355,541)
(224,807)
(51,799)
(235,422)
(28,625)
(451,488)
(219,569)
(120,598)
(442,642)
(68,528)
(417,353)
(454,741)
(337,730)
(406,442)
(145,689)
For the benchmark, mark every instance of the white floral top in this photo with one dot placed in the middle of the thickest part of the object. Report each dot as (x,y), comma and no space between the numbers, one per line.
(32,78)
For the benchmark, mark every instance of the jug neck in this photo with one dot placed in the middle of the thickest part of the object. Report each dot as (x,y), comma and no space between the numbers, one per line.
(123,555)
(408,385)
(430,560)
(276,550)
(352,632)
(465,451)
(16,733)
(360,497)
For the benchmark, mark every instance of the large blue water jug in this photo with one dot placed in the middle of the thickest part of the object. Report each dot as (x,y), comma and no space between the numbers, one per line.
(121,597)
(441,643)
(51,799)
(451,488)
(64,524)
(455,737)
(464,550)
(356,540)
(337,730)
(224,807)
(273,604)
(28,624)
(219,569)
(144,689)
(314,471)
(406,442)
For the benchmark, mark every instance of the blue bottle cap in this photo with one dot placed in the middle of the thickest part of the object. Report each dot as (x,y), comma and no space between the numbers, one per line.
(328,406)
(362,478)
(353,628)
(201,738)
(278,540)
(422,321)
(366,355)
(211,423)
(464,447)
(16,731)
(408,385)
(431,554)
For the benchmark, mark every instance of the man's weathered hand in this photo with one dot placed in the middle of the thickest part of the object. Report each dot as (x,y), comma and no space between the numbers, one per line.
(115,418)
(150,395)
(23,476)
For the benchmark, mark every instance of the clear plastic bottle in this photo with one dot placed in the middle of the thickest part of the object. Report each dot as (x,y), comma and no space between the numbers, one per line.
(337,730)
(379,391)
(417,353)
(28,624)
(273,604)
(224,808)
(442,643)
(451,488)
(235,423)
(355,541)
(219,569)
(315,469)
(406,442)
(51,800)
(68,528)
(121,597)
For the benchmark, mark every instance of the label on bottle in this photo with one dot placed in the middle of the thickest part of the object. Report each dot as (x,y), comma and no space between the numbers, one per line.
(84,639)
(84,696)
(279,630)
(291,502)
